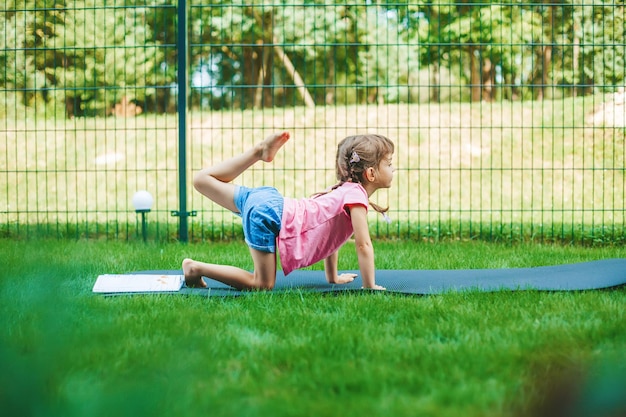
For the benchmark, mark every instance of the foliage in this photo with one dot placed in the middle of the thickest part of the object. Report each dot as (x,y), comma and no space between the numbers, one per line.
(94,52)
(122,64)
(77,54)
(602,30)
(388,57)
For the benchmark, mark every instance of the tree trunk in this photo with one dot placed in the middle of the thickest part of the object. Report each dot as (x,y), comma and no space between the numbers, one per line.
(435,95)
(329,99)
(293,73)
(263,94)
(575,62)
(475,75)
(488,80)
(258,95)
(250,73)
(545,70)
(435,88)
(268,91)
(546,57)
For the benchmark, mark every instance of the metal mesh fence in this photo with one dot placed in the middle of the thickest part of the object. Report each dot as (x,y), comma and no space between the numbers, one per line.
(508,117)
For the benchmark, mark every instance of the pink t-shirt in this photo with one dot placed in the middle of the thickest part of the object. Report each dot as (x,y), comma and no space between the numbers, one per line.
(314,228)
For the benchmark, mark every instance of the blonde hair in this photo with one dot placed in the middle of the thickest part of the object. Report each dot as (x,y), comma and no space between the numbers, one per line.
(355,154)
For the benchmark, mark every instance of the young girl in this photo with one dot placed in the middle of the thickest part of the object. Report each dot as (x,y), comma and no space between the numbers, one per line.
(304,231)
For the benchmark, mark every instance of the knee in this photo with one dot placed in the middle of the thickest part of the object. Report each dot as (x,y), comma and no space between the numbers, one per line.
(202,180)
(189,267)
(198,180)
(262,284)
(267,287)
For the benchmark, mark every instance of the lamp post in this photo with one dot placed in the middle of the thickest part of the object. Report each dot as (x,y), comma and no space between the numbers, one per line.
(142,201)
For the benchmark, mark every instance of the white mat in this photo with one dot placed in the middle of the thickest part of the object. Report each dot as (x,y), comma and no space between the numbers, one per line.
(126,283)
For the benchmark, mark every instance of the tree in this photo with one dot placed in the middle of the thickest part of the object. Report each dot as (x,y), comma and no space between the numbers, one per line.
(24,54)
(321,40)
(581,48)
(602,52)
(263,46)
(490,37)
(106,51)
(387,57)
(87,55)
(426,20)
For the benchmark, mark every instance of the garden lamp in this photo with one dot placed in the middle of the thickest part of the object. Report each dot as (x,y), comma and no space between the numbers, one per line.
(142,201)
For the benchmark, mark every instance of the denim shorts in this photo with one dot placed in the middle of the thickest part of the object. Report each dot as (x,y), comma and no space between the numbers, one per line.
(261,212)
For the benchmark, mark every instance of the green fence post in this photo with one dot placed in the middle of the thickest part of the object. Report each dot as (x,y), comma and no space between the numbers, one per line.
(183,51)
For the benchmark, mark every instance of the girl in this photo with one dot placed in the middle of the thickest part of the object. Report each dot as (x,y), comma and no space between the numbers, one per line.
(304,231)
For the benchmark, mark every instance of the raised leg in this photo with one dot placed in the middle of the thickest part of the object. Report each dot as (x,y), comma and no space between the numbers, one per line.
(214,182)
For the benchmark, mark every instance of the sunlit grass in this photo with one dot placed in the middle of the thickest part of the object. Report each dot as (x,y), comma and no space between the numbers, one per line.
(510,163)
(65,351)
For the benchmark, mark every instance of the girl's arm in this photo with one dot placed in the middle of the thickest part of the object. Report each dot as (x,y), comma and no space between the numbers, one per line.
(330,267)
(364,248)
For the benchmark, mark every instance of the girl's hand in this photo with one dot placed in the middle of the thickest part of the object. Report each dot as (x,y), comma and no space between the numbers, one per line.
(375,287)
(343,279)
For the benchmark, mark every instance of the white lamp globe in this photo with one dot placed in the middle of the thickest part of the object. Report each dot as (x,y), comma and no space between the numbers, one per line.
(142,201)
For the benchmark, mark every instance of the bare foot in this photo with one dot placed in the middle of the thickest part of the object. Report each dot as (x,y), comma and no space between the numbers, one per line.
(192,278)
(270,146)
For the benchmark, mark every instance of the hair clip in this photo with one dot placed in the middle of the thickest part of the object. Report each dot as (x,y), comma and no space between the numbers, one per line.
(355,158)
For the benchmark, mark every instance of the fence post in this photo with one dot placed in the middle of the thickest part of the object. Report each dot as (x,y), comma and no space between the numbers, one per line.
(183,52)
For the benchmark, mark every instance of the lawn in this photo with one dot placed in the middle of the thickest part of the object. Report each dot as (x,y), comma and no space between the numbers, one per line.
(532,168)
(67,352)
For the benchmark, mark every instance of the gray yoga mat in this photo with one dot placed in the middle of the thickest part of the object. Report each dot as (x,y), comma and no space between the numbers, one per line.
(569,277)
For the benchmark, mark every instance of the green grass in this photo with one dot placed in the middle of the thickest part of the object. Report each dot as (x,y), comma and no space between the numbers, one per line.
(67,352)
